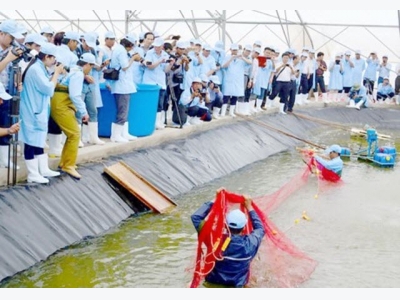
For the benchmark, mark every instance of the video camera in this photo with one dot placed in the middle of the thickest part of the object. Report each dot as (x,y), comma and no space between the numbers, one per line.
(25,52)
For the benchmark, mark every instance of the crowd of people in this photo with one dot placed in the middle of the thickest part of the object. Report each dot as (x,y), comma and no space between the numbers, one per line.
(61,74)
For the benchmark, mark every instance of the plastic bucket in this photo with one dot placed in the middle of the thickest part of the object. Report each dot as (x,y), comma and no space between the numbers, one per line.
(106,114)
(143,110)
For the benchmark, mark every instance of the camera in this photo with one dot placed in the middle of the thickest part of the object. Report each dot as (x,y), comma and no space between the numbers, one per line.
(67,69)
(216,86)
(25,52)
(218,64)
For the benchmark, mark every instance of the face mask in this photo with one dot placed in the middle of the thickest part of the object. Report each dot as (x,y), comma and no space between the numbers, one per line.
(337,61)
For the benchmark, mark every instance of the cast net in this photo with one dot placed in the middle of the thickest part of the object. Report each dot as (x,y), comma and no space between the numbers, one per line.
(278,263)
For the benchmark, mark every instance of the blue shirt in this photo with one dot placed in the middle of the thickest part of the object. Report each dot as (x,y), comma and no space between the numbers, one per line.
(233,269)
(120,60)
(335,165)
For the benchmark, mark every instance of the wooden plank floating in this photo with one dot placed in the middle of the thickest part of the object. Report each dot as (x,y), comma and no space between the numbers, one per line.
(138,186)
(363,133)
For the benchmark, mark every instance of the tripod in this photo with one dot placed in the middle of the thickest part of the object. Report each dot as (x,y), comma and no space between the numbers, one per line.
(14,83)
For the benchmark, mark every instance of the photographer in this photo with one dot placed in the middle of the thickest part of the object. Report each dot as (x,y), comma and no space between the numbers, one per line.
(157,64)
(194,99)
(335,79)
(9,54)
(35,99)
(358,97)
(283,83)
(371,72)
(216,96)
(4,96)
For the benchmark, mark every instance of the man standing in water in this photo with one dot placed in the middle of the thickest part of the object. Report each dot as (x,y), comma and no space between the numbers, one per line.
(233,269)
(334,162)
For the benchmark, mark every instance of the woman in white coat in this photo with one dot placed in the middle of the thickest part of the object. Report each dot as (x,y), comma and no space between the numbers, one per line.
(37,88)
(336,78)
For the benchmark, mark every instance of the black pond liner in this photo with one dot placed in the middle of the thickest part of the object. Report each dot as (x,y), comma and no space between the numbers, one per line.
(37,220)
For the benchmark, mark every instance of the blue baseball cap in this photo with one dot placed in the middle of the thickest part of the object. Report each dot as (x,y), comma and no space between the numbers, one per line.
(36,38)
(90,39)
(72,35)
(3,94)
(11,27)
(49,49)
(236,219)
(334,148)
(88,58)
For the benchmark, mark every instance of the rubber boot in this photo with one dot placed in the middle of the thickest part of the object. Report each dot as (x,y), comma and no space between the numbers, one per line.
(359,104)
(239,107)
(55,146)
(252,109)
(258,105)
(44,166)
(4,158)
(93,128)
(352,104)
(282,108)
(216,111)
(159,124)
(85,134)
(32,166)
(125,133)
(246,109)
(116,134)
(223,110)
(232,111)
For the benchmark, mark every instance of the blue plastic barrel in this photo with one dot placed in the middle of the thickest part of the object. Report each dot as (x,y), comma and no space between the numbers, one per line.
(384,159)
(106,114)
(388,150)
(143,110)
(345,152)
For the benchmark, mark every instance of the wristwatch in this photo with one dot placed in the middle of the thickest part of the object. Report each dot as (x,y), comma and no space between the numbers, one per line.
(9,131)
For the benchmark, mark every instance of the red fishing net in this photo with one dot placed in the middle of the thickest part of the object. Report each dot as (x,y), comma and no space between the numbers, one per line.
(279,263)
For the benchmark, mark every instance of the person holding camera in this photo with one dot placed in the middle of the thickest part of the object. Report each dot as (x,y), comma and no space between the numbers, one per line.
(195,101)
(157,64)
(233,88)
(123,88)
(176,77)
(385,92)
(358,97)
(335,78)
(216,96)
(34,111)
(13,129)
(348,67)
(371,73)
(10,54)
(283,83)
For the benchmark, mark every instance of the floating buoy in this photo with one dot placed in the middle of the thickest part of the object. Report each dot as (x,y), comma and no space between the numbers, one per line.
(305,217)
(316,196)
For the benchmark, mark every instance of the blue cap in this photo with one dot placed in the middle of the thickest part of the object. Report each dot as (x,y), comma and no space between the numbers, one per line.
(36,38)
(215,79)
(334,148)
(3,94)
(88,58)
(49,49)
(131,37)
(11,27)
(90,39)
(72,35)
(109,35)
(47,29)
(236,219)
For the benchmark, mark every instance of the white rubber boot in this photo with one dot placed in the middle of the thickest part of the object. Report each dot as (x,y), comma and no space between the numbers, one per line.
(32,166)
(125,133)
(216,111)
(258,105)
(359,104)
(94,134)
(55,146)
(116,134)
(232,111)
(4,158)
(43,161)
(85,134)
(281,108)
(159,124)
(252,109)
(246,109)
(352,104)
(325,98)
(223,110)
(239,108)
